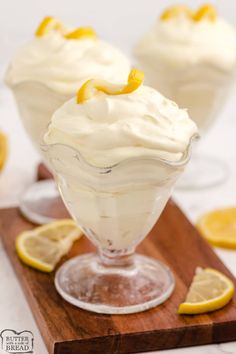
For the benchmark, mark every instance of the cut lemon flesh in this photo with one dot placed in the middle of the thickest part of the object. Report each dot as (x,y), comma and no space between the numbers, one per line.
(210,290)
(82,32)
(49,24)
(3,150)
(219,227)
(205,11)
(43,247)
(90,87)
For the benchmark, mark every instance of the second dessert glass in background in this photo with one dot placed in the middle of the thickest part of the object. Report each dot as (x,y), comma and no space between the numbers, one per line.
(191,58)
(43,75)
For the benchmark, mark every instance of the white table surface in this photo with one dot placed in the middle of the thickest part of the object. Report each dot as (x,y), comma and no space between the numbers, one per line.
(20,172)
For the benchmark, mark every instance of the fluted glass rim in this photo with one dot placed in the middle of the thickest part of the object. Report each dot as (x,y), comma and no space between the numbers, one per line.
(175,164)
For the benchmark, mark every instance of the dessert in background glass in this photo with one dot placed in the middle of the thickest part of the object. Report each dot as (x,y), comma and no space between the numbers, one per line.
(116,152)
(43,75)
(191,58)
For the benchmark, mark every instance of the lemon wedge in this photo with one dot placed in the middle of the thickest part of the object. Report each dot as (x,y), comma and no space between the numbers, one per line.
(175,11)
(43,247)
(90,87)
(49,24)
(3,150)
(205,11)
(81,32)
(219,227)
(210,290)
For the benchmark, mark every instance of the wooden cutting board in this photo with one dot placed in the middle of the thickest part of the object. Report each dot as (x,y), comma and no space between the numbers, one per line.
(43,172)
(69,330)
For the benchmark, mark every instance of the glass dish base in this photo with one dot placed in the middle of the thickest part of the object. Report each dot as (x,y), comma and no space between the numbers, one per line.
(118,288)
(203,172)
(41,203)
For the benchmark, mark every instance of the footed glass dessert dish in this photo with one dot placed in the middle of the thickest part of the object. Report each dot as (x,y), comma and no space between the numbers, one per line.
(43,75)
(41,203)
(182,57)
(116,207)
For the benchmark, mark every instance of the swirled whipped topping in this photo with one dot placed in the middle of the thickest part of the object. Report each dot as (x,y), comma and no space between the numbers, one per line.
(107,129)
(61,64)
(182,41)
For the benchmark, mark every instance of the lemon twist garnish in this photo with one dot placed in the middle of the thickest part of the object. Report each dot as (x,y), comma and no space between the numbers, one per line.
(49,24)
(205,11)
(175,11)
(90,87)
(81,32)
(3,150)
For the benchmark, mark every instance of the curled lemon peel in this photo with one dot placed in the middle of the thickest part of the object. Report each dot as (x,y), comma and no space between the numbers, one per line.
(81,32)
(205,11)
(176,10)
(50,23)
(90,87)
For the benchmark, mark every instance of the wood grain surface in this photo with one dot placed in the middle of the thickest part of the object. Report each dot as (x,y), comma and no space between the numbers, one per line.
(43,172)
(69,330)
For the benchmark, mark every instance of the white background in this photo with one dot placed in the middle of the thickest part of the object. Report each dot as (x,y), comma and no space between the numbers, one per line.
(121,22)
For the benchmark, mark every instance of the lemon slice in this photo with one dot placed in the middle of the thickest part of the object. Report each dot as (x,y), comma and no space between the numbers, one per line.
(49,24)
(175,11)
(82,32)
(3,150)
(210,290)
(43,247)
(90,87)
(205,11)
(219,227)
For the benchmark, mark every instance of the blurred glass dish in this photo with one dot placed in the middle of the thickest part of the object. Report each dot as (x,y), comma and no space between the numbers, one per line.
(41,202)
(191,58)
(43,75)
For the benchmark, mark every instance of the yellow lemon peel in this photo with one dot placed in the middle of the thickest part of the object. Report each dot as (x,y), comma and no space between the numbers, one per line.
(90,87)
(49,24)
(81,32)
(176,10)
(205,11)
(3,150)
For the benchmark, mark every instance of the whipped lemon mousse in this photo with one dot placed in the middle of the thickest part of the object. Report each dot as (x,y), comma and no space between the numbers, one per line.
(45,72)
(133,141)
(191,58)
